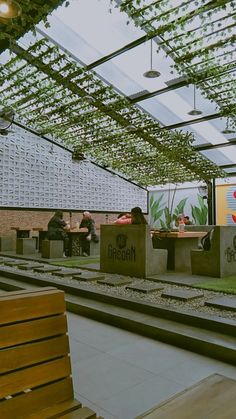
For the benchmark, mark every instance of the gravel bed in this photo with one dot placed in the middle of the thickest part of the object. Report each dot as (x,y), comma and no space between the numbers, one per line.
(194,306)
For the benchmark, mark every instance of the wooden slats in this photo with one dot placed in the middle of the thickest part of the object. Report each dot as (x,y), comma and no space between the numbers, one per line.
(33,353)
(31,306)
(57,410)
(15,334)
(84,413)
(15,293)
(34,376)
(35,369)
(37,400)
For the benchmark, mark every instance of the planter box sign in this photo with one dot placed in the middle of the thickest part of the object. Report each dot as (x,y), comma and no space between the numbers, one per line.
(127,250)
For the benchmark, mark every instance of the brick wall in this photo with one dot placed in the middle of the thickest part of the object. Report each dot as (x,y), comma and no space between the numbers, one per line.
(32,219)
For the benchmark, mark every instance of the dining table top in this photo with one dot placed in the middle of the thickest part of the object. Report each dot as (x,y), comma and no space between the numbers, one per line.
(179,235)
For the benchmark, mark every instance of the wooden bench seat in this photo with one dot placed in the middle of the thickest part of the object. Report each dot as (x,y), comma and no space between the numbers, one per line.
(35,367)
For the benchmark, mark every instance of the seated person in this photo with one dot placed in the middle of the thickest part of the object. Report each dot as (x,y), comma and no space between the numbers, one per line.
(86,237)
(56,230)
(137,216)
(187,221)
(179,220)
(123,218)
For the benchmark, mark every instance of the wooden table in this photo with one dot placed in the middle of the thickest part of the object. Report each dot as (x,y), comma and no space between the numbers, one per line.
(178,246)
(74,239)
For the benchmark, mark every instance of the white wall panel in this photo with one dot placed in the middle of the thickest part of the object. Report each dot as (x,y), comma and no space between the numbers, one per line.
(33,177)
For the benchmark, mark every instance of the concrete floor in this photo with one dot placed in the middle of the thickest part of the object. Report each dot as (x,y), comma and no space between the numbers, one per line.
(121,375)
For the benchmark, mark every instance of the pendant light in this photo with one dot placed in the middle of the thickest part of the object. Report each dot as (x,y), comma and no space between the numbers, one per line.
(7,115)
(194,111)
(151,74)
(9,9)
(227,130)
(88,98)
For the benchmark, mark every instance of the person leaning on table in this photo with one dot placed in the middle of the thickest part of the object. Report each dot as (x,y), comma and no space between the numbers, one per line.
(137,216)
(123,218)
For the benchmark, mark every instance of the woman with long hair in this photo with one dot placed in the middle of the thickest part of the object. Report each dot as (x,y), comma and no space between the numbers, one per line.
(137,216)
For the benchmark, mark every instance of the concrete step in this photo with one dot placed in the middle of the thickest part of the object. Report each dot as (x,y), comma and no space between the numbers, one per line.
(210,343)
(8,284)
(208,335)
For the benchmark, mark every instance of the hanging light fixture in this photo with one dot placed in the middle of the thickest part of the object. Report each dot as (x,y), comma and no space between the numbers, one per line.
(151,74)
(227,130)
(9,9)
(88,98)
(131,128)
(194,111)
(7,115)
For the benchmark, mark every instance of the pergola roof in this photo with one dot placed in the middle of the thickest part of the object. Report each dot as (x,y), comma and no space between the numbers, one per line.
(134,126)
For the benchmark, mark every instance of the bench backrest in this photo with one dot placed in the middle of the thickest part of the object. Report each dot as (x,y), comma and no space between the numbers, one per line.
(35,368)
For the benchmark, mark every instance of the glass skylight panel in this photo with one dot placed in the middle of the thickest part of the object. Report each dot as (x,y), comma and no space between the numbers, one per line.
(89,32)
(64,36)
(137,61)
(202,103)
(220,124)
(221,156)
(230,170)
(198,139)
(91,19)
(159,110)
(208,131)
(216,156)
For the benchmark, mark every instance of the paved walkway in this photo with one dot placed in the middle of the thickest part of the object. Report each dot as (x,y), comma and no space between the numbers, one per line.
(121,375)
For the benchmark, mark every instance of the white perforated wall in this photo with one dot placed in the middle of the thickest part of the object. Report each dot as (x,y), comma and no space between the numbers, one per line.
(32,176)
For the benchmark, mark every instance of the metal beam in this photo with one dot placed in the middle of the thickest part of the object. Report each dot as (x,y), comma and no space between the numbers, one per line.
(231,174)
(119,51)
(192,121)
(202,147)
(227,166)
(148,95)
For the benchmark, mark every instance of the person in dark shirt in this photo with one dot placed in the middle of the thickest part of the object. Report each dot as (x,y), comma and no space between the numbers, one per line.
(86,237)
(56,230)
(187,221)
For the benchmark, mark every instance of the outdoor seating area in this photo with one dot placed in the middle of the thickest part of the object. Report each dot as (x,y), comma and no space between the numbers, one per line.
(118,209)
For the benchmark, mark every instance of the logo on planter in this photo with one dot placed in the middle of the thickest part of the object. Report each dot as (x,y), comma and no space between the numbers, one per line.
(231,253)
(121,240)
(121,252)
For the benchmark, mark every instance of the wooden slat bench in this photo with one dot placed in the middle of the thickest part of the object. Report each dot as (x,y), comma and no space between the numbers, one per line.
(35,367)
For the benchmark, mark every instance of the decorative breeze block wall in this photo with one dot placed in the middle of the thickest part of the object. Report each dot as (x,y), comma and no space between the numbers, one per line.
(35,174)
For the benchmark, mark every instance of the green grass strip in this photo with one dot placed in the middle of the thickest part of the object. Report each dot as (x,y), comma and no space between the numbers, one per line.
(75,263)
(226,285)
